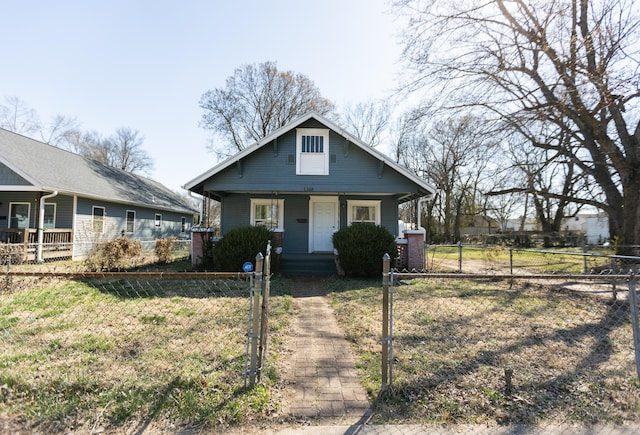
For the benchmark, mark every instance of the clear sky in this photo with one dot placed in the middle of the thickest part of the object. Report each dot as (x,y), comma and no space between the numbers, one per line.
(144,64)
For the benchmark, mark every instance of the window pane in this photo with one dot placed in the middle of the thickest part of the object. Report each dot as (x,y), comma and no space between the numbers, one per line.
(266,215)
(131,217)
(312,144)
(19,216)
(98,219)
(49,216)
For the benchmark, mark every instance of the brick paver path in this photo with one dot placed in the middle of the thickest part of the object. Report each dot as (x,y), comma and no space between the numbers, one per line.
(322,376)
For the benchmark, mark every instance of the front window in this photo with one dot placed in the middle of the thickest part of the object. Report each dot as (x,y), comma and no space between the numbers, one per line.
(158,220)
(367,212)
(183,225)
(312,146)
(131,221)
(19,215)
(98,218)
(267,212)
(49,216)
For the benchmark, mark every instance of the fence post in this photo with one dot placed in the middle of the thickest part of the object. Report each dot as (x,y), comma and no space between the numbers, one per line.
(266,279)
(633,304)
(255,295)
(460,257)
(584,257)
(386,267)
(511,260)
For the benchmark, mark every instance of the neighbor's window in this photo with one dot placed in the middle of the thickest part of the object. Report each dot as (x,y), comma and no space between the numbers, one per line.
(312,146)
(158,220)
(19,214)
(183,225)
(367,212)
(267,212)
(49,216)
(131,221)
(97,219)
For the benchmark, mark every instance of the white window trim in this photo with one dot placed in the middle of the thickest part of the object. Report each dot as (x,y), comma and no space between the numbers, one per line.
(93,216)
(312,132)
(157,222)
(126,222)
(363,203)
(55,212)
(11,204)
(267,201)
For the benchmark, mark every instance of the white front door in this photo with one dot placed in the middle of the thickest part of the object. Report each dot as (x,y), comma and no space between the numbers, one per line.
(324,222)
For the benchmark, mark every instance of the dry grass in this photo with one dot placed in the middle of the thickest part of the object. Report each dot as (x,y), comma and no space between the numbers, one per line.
(118,353)
(571,354)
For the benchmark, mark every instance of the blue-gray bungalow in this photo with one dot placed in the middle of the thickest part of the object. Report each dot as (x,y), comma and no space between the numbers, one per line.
(309,179)
(49,196)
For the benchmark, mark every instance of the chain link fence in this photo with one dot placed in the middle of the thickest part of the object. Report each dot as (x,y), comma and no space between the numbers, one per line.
(61,254)
(89,349)
(501,260)
(498,349)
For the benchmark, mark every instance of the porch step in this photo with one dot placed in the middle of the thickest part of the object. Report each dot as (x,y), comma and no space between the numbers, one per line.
(308,265)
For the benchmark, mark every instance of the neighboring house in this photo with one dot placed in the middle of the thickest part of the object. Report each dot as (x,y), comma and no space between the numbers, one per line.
(481,225)
(307,180)
(517,225)
(594,226)
(79,201)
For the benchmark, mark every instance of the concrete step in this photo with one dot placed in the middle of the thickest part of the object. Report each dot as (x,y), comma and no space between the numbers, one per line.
(308,265)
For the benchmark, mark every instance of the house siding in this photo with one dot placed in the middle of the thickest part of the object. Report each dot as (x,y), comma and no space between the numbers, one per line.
(64,208)
(350,170)
(10,178)
(116,222)
(236,213)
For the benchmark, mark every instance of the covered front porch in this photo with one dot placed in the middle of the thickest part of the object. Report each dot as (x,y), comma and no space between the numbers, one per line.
(22,244)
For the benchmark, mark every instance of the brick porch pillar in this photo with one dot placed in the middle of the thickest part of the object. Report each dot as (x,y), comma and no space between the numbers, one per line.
(415,249)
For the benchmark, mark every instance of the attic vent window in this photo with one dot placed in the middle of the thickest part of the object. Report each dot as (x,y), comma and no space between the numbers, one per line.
(312,151)
(312,144)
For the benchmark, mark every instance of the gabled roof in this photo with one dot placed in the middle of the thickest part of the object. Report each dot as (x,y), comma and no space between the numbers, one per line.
(47,168)
(293,124)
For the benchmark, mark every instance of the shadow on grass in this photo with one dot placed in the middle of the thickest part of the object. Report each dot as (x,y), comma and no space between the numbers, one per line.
(576,391)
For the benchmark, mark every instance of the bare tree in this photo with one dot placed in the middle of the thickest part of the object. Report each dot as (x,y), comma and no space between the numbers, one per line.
(368,120)
(257,100)
(454,155)
(17,117)
(570,63)
(59,131)
(124,150)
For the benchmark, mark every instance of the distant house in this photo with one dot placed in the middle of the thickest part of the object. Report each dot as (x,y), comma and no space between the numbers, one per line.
(77,201)
(307,180)
(594,226)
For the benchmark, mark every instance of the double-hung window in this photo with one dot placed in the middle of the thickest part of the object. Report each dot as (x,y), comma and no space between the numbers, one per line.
(312,149)
(49,216)
(267,212)
(131,221)
(97,219)
(19,214)
(366,212)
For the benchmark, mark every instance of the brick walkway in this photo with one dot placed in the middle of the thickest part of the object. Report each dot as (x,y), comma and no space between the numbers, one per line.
(322,377)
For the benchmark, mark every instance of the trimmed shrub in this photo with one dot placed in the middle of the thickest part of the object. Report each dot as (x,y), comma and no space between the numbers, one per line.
(240,245)
(164,249)
(361,248)
(119,253)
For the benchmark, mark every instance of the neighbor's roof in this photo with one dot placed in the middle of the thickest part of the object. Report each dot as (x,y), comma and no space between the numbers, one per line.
(47,168)
(293,124)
